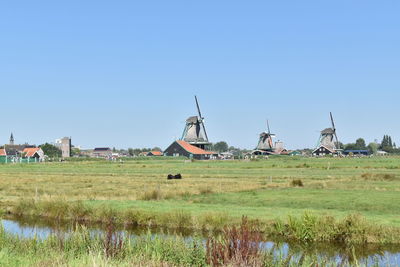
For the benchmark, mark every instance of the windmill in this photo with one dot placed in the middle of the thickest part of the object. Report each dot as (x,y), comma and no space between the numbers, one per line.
(195,132)
(328,137)
(265,142)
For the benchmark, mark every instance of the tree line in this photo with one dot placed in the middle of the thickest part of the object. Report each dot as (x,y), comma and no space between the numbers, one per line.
(386,145)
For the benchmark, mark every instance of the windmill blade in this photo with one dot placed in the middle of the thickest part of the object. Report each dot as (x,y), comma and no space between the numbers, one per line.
(269,131)
(334,130)
(333,123)
(201,118)
(198,108)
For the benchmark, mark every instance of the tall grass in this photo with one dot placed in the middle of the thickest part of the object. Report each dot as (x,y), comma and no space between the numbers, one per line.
(238,246)
(353,229)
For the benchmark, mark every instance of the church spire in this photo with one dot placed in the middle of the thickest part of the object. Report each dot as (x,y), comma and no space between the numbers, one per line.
(11,139)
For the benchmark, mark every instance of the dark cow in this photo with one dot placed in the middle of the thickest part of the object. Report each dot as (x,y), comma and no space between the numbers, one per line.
(170,176)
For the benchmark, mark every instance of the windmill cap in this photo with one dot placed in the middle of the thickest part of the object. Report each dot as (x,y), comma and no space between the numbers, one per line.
(193,119)
(328,131)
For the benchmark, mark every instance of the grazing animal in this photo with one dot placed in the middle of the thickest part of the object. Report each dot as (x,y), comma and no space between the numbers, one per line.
(170,176)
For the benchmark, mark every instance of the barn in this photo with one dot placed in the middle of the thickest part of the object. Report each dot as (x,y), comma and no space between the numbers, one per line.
(183,148)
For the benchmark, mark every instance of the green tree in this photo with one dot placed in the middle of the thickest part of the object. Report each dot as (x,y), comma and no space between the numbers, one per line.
(360,144)
(387,144)
(50,150)
(373,148)
(350,146)
(137,151)
(75,151)
(221,146)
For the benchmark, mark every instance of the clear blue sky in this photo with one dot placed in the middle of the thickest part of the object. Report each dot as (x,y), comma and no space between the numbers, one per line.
(123,73)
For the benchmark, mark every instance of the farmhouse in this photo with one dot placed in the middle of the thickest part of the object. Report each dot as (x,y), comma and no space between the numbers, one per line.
(322,151)
(183,148)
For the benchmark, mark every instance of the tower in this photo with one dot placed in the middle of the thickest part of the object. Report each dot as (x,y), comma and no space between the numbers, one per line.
(11,140)
(65,145)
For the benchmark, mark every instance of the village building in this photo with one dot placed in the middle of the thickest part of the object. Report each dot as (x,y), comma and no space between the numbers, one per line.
(226,155)
(102,152)
(65,145)
(12,152)
(356,152)
(183,148)
(295,153)
(323,150)
(381,153)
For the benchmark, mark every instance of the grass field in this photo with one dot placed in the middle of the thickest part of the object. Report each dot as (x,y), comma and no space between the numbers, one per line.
(261,189)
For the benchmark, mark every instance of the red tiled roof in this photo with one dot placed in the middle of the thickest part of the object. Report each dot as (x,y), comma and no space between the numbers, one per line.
(30,152)
(194,149)
(156,153)
(3,152)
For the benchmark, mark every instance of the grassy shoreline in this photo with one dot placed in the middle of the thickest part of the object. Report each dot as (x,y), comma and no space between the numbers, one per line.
(307,228)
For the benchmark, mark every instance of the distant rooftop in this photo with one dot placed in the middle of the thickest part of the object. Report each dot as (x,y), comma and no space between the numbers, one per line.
(102,149)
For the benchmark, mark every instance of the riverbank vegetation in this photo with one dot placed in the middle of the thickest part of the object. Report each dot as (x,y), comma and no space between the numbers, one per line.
(234,246)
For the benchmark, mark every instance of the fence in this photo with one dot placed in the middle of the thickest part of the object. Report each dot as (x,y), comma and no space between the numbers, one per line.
(8,159)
